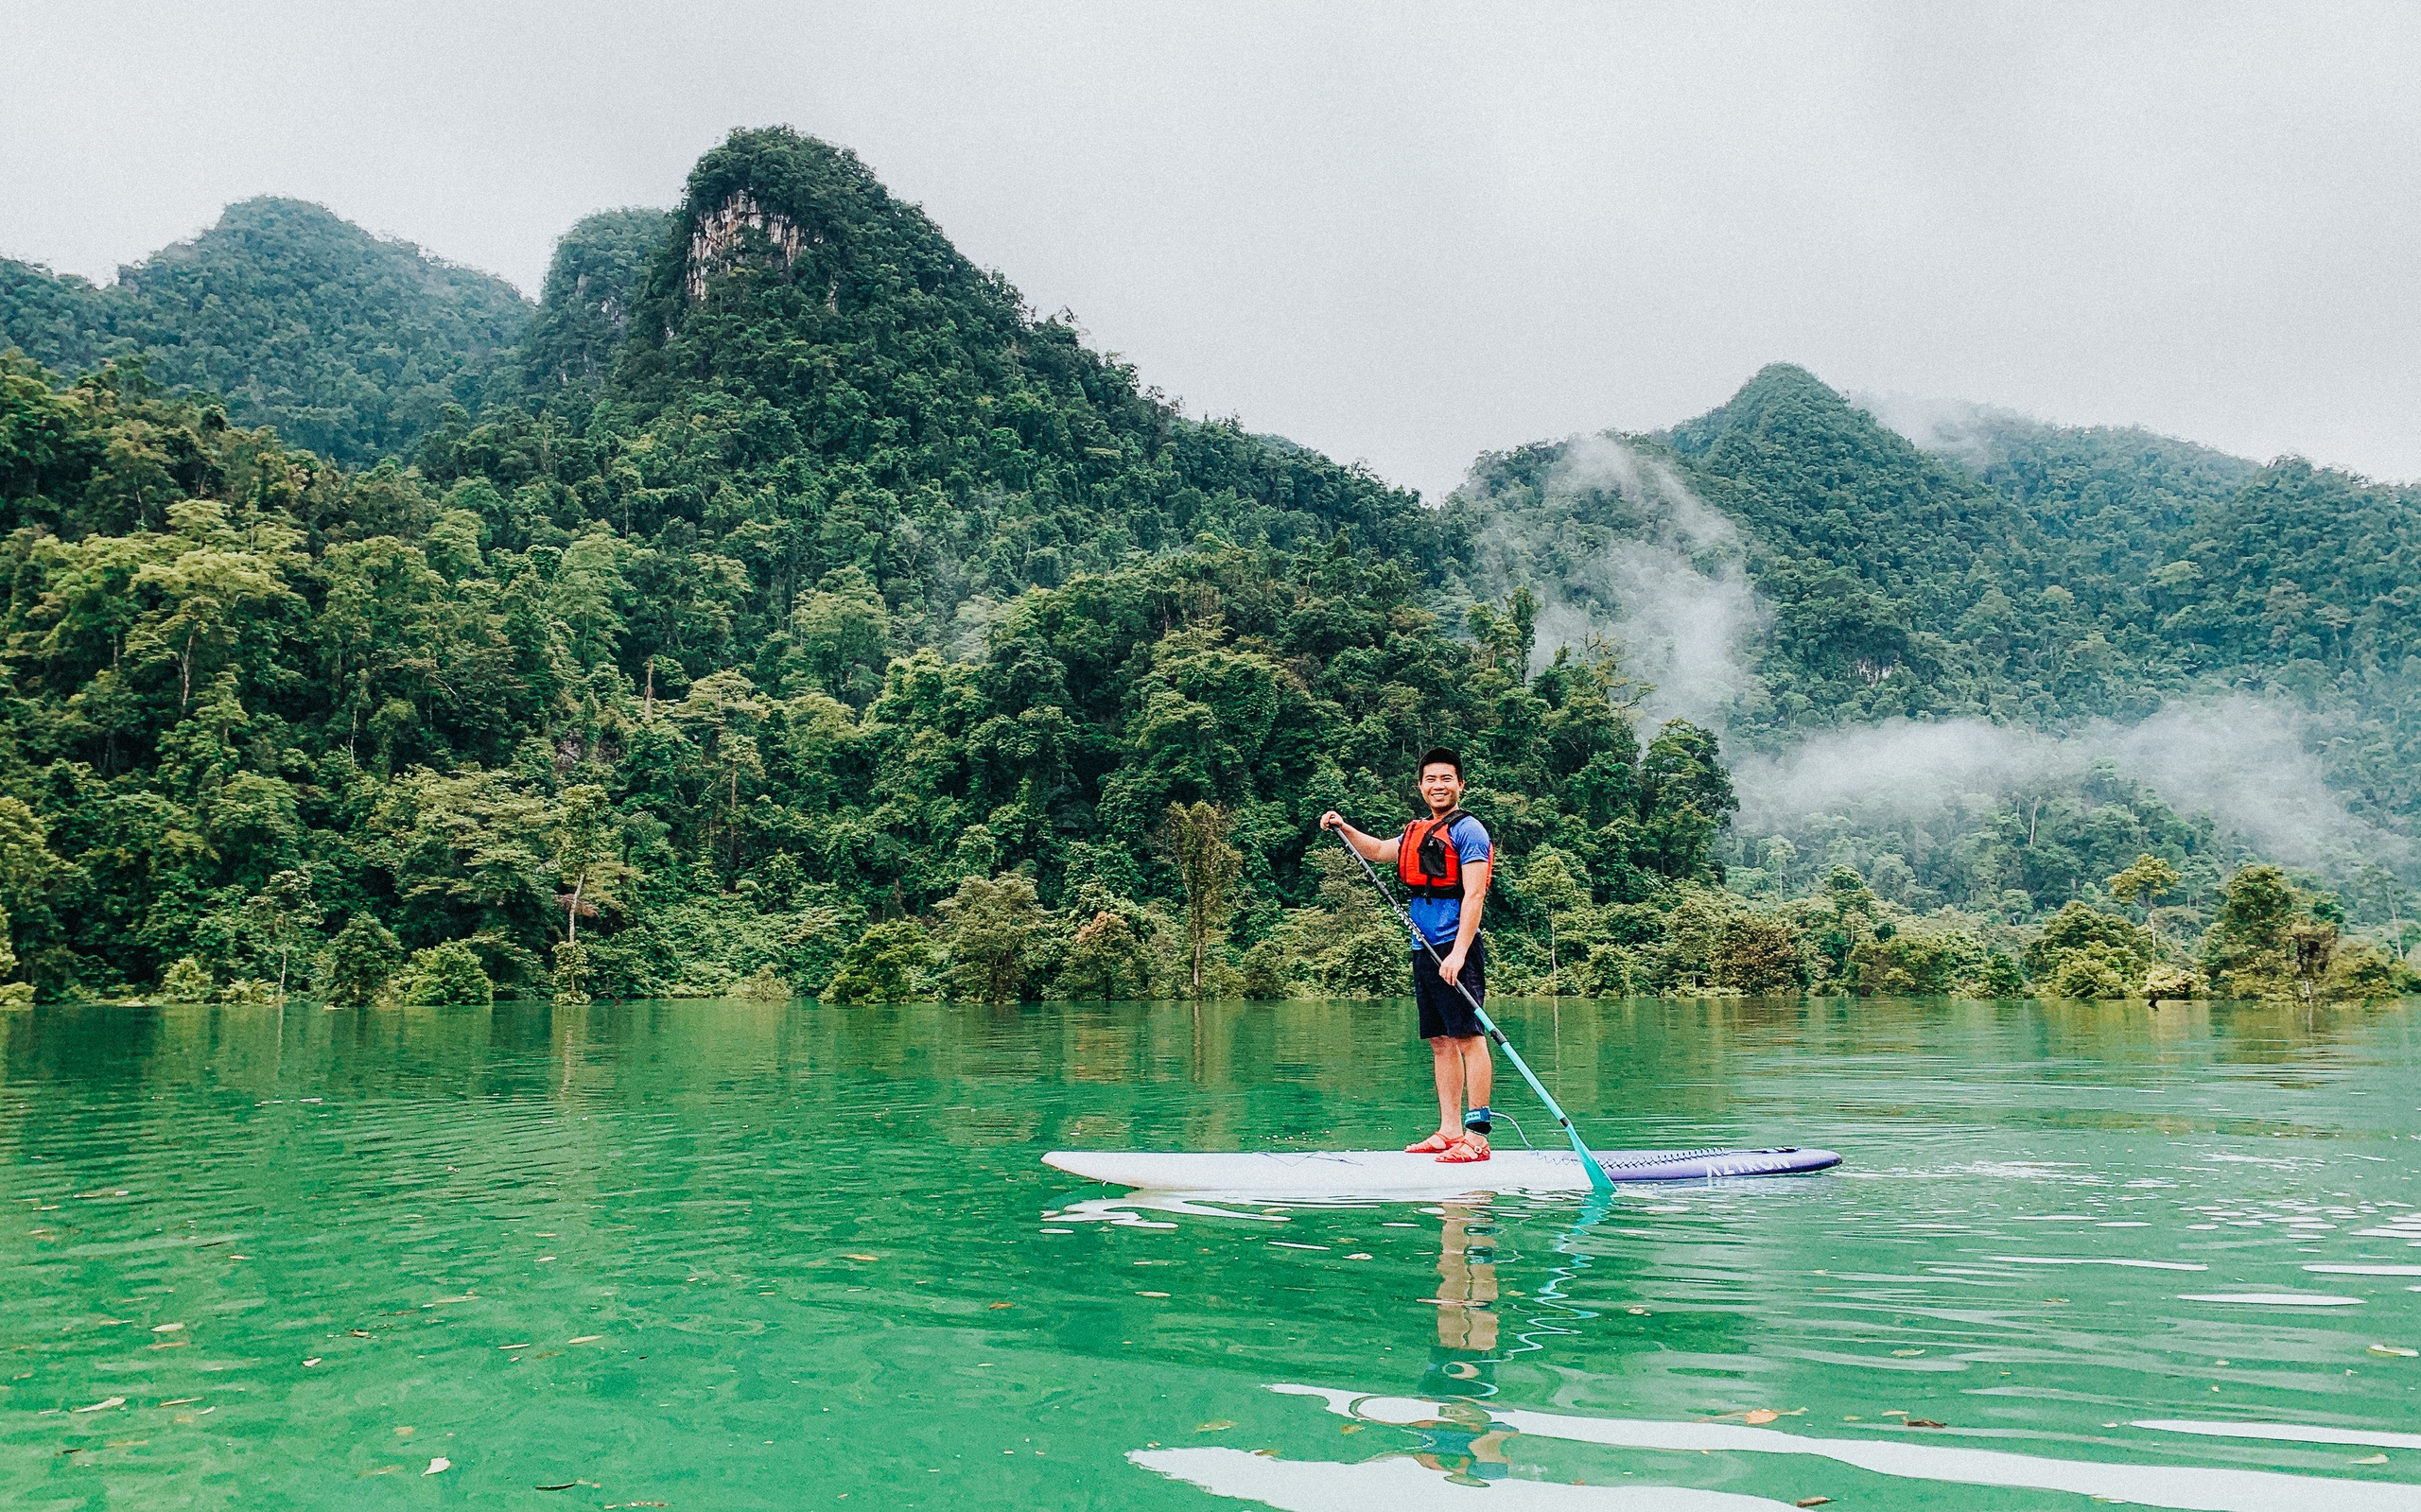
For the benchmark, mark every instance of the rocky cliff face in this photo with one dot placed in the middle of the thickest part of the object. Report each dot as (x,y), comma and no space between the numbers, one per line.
(732,230)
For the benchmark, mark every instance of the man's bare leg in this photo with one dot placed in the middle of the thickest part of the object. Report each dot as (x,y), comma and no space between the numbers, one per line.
(1478,1072)
(1446,1063)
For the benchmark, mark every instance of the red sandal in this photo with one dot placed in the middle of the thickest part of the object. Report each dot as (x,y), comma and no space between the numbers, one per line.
(1471,1147)
(1431,1145)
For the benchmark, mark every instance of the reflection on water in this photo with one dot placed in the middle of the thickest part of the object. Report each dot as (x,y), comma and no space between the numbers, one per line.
(1459,1438)
(735,1254)
(1406,1484)
(2183,1486)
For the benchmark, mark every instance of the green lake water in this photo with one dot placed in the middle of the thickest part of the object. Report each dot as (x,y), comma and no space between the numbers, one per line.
(731,1255)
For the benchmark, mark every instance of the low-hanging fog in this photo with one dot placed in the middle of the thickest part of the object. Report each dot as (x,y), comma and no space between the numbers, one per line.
(2239,759)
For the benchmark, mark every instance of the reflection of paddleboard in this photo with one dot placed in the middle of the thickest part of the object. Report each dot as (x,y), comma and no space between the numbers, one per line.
(1377,1172)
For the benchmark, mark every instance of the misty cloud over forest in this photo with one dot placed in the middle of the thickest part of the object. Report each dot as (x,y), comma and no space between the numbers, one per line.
(1663,581)
(2242,760)
(1651,568)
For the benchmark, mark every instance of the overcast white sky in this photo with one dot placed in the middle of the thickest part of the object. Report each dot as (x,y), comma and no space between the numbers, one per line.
(1397,233)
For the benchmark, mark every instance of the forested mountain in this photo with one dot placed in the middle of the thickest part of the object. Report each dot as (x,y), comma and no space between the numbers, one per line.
(350,346)
(585,309)
(845,582)
(2077,573)
(785,607)
(2112,502)
(2019,578)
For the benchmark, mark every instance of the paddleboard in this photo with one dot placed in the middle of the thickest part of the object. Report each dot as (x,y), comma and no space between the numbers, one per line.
(1379,1172)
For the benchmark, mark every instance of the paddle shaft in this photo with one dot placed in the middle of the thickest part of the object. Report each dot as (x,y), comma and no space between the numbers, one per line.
(1598,1180)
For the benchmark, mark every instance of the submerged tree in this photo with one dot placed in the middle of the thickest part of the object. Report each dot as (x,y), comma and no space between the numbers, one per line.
(448,975)
(887,963)
(2149,878)
(356,966)
(992,929)
(2246,949)
(1193,839)
(1550,883)
(286,917)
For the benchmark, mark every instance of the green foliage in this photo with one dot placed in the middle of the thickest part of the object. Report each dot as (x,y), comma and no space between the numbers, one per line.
(2111,501)
(1858,943)
(283,919)
(350,346)
(2084,952)
(764,985)
(1105,959)
(843,567)
(585,308)
(188,980)
(890,963)
(1839,918)
(1711,942)
(2026,574)
(2272,939)
(588,868)
(1609,971)
(1685,798)
(1266,972)
(1909,962)
(2172,982)
(1869,550)
(1194,838)
(571,971)
(10,992)
(2147,878)
(2361,971)
(1346,943)
(996,936)
(445,975)
(356,965)
(2248,951)
(2095,970)
(1366,964)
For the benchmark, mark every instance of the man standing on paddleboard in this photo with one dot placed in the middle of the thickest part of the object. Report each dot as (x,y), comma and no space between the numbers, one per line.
(1443,862)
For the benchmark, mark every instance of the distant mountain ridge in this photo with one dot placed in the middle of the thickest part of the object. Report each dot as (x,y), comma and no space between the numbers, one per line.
(351,345)
(794,600)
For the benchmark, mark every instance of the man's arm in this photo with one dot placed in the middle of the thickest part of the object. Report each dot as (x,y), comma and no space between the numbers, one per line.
(1475,895)
(1369,847)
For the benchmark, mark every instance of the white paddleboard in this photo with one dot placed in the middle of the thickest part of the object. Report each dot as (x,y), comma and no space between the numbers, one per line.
(1392,1172)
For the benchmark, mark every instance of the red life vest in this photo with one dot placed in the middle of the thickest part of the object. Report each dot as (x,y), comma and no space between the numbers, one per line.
(1427,862)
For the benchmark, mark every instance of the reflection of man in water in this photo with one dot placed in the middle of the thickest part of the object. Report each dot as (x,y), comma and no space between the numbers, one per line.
(1462,1441)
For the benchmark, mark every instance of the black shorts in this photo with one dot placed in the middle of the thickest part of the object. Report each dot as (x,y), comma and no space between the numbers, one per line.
(1443,1012)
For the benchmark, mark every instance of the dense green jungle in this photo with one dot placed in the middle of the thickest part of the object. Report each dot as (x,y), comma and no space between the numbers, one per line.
(778,606)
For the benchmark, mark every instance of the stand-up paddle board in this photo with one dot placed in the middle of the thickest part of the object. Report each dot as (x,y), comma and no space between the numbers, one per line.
(1380,1172)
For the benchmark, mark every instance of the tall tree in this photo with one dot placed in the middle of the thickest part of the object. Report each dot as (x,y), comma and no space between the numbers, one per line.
(285,916)
(1193,839)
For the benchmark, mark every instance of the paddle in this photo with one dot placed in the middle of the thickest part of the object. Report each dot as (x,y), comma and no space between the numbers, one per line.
(1598,1180)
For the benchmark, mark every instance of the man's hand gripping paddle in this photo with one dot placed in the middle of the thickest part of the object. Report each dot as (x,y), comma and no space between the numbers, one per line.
(1599,1183)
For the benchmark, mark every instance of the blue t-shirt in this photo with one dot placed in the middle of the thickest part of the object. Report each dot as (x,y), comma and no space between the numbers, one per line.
(1437,918)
